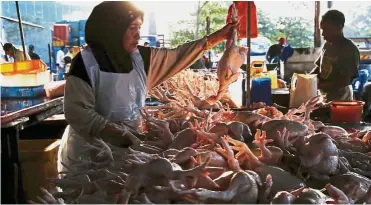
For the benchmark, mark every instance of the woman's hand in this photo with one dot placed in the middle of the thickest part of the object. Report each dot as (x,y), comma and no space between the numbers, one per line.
(228,29)
(222,34)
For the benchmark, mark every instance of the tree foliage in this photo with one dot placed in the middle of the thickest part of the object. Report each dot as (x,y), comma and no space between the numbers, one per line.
(360,25)
(298,31)
(185,30)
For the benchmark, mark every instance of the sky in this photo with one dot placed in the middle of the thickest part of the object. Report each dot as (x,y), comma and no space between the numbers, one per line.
(170,12)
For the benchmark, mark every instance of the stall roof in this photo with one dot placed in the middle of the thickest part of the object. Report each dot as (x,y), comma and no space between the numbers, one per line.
(23,22)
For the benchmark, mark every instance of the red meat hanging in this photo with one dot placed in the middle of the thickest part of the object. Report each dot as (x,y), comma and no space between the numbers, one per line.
(241,7)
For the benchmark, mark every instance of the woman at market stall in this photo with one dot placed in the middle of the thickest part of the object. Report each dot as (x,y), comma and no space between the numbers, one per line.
(108,81)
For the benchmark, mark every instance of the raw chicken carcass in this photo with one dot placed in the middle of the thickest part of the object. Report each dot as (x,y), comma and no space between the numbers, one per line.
(229,64)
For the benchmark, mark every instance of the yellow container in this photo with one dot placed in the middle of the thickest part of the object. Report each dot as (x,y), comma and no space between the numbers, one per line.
(58,43)
(7,67)
(18,67)
(270,74)
(257,67)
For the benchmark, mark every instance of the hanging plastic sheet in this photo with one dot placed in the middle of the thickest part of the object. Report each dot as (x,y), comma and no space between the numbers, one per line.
(241,7)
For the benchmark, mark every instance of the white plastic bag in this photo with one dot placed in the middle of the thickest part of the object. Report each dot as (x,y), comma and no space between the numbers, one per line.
(303,88)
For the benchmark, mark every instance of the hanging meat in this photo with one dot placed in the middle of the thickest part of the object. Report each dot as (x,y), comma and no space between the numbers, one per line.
(230,63)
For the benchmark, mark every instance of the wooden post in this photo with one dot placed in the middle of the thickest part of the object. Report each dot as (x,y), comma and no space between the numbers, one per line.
(248,32)
(50,56)
(329,4)
(317,31)
(21,29)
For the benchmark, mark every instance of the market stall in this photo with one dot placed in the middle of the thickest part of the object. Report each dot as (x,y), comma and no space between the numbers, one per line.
(11,126)
(192,152)
(200,144)
(28,97)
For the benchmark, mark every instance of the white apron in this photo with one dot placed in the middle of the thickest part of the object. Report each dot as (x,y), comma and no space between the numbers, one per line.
(119,97)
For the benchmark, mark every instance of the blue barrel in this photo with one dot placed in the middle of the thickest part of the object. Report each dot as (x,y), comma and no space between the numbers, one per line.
(22,92)
(12,105)
(261,91)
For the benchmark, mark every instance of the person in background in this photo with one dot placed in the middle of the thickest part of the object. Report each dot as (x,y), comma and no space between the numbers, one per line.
(287,52)
(274,51)
(60,61)
(15,53)
(146,44)
(67,61)
(338,62)
(199,64)
(32,54)
(366,97)
(70,53)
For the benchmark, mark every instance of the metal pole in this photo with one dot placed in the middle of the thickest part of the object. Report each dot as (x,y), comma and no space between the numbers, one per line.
(317,32)
(208,32)
(21,29)
(248,32)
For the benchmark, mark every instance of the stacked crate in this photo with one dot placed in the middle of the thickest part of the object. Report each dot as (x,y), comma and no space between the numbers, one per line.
(22,84)
(61,34)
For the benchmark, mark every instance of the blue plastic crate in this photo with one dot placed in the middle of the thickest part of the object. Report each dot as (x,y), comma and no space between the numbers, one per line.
(22,92)
(75,28)
(82,24)
(82,38)
(74,41)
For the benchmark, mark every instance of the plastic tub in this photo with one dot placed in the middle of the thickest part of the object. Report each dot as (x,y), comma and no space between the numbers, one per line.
(23,67)
(346,111)
(25,80)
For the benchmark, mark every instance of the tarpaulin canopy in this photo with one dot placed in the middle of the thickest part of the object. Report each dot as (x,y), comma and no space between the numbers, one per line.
(241,7)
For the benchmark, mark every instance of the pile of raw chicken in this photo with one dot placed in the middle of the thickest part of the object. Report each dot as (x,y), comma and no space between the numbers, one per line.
(189,89)
(260,156)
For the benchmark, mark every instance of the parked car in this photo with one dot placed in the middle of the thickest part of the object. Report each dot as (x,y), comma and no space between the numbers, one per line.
(259,48)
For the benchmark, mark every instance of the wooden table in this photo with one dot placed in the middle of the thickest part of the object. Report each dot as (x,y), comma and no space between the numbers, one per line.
(11,124)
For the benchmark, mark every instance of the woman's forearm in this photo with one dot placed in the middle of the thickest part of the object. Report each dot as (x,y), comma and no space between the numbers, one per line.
(215,38)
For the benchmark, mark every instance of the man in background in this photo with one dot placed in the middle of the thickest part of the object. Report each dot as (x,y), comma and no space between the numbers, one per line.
(274,52)
(338,62)
(32,54)
(15,53)
(60,60)
(146,44)
(70,53)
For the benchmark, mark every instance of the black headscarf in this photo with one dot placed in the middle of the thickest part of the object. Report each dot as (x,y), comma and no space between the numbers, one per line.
(104,33)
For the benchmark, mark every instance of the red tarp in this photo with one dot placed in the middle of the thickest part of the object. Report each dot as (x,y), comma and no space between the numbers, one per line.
(241,7)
